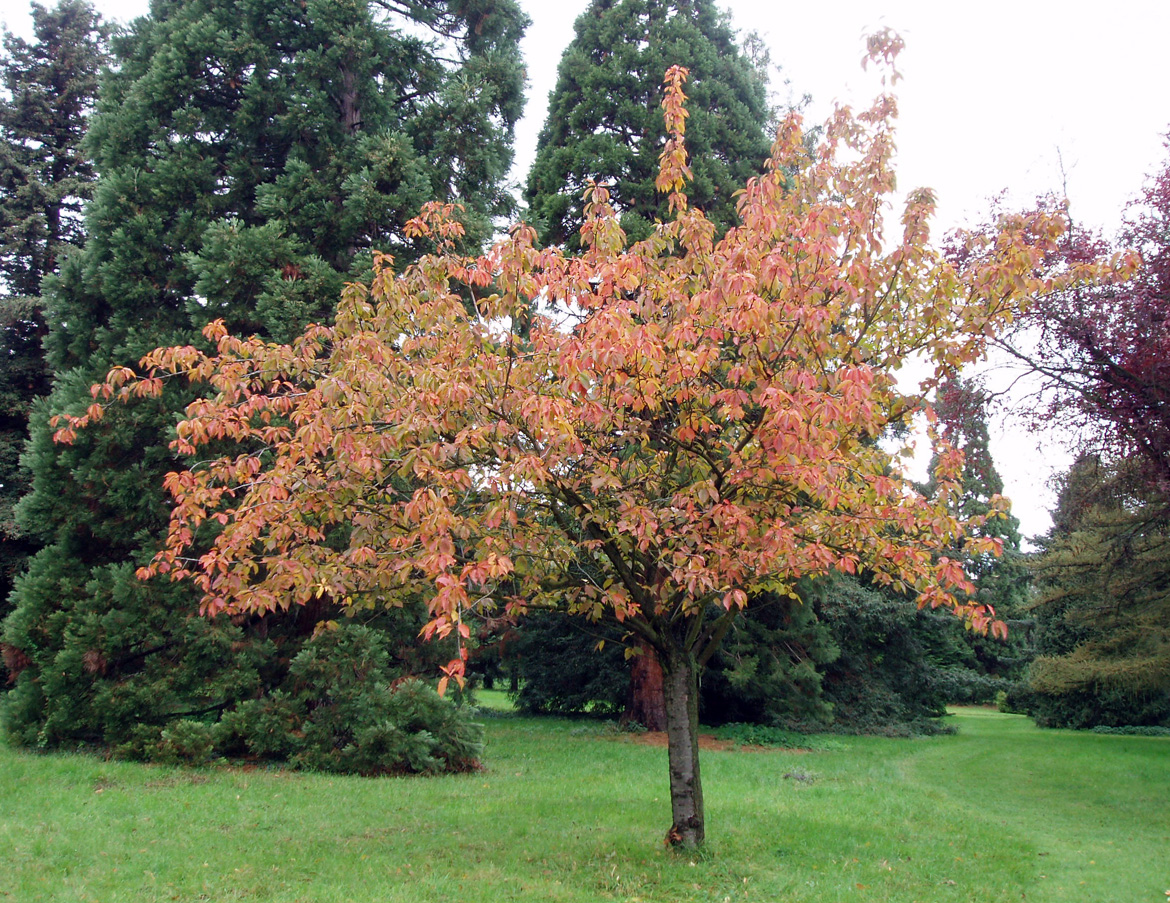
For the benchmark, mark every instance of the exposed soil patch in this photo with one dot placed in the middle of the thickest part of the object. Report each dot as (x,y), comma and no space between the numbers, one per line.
(706,741)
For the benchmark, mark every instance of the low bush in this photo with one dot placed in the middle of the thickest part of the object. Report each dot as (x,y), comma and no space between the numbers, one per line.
(766,735)
(1134,730)
(186,742)
(340,710)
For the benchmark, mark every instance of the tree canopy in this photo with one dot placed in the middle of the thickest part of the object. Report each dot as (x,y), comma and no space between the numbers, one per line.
(251,160)
(49,90)
(683,423)
(1102,356)
(603,121)
(50,85)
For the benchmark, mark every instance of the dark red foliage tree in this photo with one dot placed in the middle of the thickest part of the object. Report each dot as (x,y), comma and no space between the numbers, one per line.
(1103,352)
(1103,594)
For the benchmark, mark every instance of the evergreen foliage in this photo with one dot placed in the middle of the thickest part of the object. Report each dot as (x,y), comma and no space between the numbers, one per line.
(604,123)
(850,658)
(561,669)
(23,378)
(251,160)
(977,667)
(340,710)
(49,88)
(883,679)
(45,176)
(1103,641)
(770,666)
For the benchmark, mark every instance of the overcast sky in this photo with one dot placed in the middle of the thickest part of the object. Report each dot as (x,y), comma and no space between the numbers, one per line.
(1022,96)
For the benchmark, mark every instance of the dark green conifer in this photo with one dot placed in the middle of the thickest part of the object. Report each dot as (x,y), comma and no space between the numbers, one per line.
(252,156)
(45,177)
(980,666)
(605,121)
(49,87)
(1103,606)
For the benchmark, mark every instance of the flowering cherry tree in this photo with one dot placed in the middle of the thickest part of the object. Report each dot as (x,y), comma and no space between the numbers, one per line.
(651,434)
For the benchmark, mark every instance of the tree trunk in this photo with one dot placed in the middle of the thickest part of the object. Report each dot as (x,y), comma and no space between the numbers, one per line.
(681,686)
(647,702)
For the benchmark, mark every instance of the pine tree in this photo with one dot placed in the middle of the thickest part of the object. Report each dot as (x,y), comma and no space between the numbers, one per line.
(603,116)
(252,157)
(1103,610)
(23,378)
(49,87)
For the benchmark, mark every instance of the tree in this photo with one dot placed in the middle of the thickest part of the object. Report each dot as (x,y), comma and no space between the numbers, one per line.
(603,117)
(769,668)
(766,671)
(45,177)
(979,667)
(1101,353)
(1102,358)
(883,679)
(49,89)
(1103,606)
(603,122)
(682,423)
(23,378)
(252,160)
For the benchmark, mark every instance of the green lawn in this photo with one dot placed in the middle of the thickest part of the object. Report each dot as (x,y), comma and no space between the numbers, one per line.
(566,811)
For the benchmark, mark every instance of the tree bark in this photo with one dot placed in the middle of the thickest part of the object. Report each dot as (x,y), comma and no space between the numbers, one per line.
(681,686)
(647,703)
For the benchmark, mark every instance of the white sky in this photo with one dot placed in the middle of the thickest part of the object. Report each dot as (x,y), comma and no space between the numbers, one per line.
(996,96)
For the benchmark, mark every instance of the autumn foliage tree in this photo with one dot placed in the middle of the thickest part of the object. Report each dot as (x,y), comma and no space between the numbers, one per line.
(685,424)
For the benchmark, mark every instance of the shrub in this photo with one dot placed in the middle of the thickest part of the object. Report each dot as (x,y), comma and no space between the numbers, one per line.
(186,742)
(269,728)
(966,686)
(339,710)
(1134,730)
(1100,707)
(766,735)
(1017,699)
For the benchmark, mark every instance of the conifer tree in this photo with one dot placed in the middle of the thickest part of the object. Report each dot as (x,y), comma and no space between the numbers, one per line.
(980,665)
(603,117)
(49,87)
(252,158)
(1103,610)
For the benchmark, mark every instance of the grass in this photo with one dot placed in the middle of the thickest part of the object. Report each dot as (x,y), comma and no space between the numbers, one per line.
(567,811)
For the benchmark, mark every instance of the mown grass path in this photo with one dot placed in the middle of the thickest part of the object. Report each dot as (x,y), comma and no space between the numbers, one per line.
(568,812)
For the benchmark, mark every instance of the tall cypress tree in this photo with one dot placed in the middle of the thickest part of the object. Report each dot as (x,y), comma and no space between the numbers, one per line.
(979,666)
(604,119)
(252,156)
(49,88)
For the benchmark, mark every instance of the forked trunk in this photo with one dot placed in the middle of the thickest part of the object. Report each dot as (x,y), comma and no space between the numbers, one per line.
(681,689)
